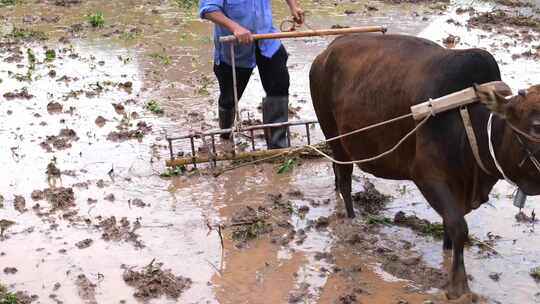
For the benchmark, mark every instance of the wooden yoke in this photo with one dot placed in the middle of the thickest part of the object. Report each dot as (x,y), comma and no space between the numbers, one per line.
(456,100)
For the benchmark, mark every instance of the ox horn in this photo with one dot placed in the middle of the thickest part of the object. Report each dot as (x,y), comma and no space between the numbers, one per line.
(522,92)
(493,100)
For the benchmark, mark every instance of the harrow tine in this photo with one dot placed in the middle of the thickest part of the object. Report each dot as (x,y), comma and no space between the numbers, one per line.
(289,135)
(214,149)
(193,151)
(171,154)
(252,139)
(307,134)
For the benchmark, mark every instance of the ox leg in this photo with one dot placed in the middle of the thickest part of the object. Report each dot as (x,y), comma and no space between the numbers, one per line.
(336,176)
(447,241)
(343,174)
(443,200)
(458,232)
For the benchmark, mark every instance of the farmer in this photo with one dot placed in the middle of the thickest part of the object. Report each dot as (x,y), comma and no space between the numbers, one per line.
(243,18)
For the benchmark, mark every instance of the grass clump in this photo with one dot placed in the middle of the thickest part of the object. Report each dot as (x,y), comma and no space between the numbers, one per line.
(4,3)
(186,4)
(31,59)
(26,34)
(50,55)
(96,19)
(174,171)
(535,273)
(378,220)
(154,107)
(422,226)
(164,59)
(7,297)
(251,231)
(286,166)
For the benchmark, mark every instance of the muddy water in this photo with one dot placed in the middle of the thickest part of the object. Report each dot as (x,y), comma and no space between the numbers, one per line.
(169,59)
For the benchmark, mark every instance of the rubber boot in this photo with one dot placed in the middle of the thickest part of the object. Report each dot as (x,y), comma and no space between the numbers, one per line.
(276,109)
(226,120)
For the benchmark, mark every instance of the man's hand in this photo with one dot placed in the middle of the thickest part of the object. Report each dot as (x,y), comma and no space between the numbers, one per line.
(298,15)
(243,35)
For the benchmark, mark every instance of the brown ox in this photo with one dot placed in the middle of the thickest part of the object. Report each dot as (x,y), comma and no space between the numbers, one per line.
(364,79)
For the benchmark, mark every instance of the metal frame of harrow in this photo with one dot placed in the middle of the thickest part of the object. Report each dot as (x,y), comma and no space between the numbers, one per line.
(251,129)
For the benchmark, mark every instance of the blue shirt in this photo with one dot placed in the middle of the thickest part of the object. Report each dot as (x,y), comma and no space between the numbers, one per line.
(254,15)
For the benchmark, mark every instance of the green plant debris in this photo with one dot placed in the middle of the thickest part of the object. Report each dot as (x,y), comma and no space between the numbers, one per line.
(96,19)
(205,82)
(132,35)
(378,220)
(164,59)
(186,4)
(286,166)
(422,226)
(7,297)
(174,171)
(50,55)
(31,59)
(154,107)
(535,273)
(251,231)
(4,3)
(27,34)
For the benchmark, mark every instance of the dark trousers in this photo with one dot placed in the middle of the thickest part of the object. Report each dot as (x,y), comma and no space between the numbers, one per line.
(273,71)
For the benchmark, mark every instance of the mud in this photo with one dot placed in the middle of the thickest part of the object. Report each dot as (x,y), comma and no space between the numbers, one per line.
(489,20)
(60,198)
(10,270)
(18,94)
(125,133)
(152,282)
(419,225)
(19,203)
(84,243)
(4,225)
(61,141)
(297,245)
(370,200)
(86,289)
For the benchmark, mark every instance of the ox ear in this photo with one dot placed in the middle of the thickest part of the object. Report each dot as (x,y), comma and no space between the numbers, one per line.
(494,101)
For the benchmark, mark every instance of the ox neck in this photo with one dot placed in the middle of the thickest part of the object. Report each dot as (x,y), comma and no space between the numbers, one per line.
(493,142)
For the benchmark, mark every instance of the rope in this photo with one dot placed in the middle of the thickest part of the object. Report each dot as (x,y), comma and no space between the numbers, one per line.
(366,160)
(294,26)
(492,151)
(312,147)
(370,127)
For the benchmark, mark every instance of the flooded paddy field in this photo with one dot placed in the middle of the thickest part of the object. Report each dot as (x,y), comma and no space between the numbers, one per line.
(90,214)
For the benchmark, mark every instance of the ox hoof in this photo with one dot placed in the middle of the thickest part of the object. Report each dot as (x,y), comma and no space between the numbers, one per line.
(467,298)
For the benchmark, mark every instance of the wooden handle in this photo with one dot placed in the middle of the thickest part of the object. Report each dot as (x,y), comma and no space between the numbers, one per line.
(329,32)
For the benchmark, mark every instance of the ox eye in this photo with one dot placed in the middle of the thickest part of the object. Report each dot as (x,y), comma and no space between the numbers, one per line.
(535,130)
